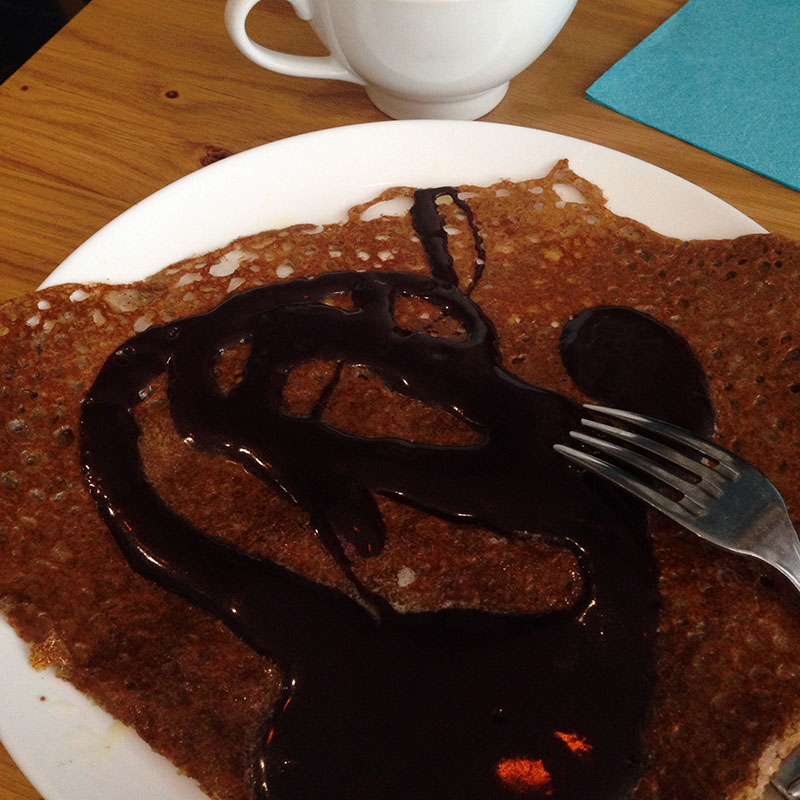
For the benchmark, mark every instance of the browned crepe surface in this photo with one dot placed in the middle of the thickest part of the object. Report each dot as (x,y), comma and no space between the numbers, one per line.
(728,658)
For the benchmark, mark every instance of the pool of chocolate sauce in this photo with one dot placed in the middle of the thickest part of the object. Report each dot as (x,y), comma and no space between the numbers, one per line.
(377,704)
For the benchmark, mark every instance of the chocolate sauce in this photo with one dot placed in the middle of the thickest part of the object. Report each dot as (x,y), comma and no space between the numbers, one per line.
(428,224)
(450,704)
(624,358)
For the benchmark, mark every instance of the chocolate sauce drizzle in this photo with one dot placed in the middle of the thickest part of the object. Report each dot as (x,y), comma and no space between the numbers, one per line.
(639,364)
(381,704)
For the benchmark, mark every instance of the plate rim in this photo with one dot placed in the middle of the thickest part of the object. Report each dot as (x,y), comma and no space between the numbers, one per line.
(98,247)
(148,211)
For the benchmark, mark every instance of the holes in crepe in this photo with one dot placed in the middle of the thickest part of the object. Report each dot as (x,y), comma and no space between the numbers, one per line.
(461,243)
(569,193)
(395,207)
(229,263)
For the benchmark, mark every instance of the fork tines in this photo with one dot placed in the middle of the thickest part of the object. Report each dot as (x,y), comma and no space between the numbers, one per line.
(710,469)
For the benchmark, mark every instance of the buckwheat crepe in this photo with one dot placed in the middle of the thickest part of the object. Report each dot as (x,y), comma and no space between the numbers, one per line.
(723,707)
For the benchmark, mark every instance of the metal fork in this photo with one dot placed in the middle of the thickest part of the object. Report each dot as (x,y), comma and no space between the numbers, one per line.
(729,502)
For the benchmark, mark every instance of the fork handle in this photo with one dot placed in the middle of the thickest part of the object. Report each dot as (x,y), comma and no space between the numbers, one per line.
(791,569)
(785,555)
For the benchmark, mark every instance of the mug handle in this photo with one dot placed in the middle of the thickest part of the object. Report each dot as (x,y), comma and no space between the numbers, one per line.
(236,12)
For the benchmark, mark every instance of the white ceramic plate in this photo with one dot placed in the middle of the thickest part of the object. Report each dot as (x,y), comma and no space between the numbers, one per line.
(70,749)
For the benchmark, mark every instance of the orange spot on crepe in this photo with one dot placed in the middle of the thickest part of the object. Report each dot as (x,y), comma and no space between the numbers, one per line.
(524,774)
(574,742)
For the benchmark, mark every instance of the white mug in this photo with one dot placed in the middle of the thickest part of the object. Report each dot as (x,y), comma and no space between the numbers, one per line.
(433,59)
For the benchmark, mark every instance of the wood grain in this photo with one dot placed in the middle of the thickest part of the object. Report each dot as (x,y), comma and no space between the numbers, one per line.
(134,94)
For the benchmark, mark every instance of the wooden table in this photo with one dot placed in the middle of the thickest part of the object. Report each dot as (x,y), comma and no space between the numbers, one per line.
(133,94)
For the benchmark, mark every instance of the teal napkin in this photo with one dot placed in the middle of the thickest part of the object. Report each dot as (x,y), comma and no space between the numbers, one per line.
(723,75)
